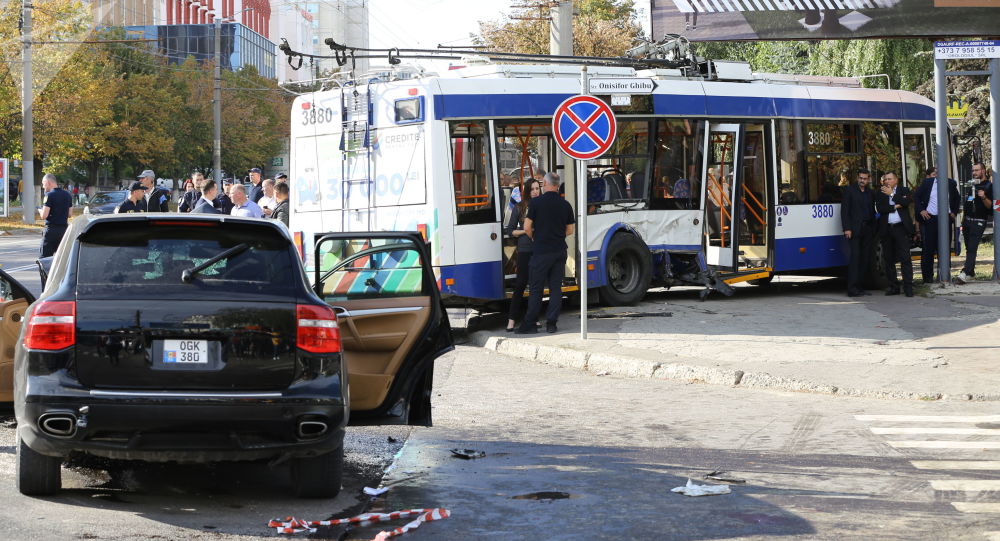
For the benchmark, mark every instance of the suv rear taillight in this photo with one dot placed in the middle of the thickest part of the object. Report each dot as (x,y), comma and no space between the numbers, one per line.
(317,329)
(51,326)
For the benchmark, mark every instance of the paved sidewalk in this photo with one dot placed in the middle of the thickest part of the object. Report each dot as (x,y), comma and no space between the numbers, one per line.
(792,337)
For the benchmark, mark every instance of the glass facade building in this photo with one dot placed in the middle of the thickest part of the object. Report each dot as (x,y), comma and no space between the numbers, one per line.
(240,45)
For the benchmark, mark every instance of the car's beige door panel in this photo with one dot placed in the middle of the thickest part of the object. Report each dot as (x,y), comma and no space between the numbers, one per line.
(376,335)
(11,317)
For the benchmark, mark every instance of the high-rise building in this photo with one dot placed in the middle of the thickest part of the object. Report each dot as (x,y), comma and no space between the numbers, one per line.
(346,21)
(125,12)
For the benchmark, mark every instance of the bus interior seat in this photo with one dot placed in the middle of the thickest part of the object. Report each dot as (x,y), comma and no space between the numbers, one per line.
(615,186)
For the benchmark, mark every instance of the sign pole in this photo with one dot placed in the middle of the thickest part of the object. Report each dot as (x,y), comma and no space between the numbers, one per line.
(995,151)
(581,222)
(941,153)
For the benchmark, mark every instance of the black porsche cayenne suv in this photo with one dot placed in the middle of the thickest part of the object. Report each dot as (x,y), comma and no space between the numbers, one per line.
(199,338)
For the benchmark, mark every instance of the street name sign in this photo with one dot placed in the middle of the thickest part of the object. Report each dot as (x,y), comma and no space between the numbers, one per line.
(622,85)
(955,50)
(584,127)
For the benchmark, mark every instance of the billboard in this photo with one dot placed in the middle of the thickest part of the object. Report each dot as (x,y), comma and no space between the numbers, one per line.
(723,20)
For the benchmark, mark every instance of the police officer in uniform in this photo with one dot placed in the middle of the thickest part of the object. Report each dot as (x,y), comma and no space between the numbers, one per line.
(55,212)
(135,201)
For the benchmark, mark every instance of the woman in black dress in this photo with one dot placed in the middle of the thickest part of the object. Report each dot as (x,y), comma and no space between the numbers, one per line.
(515,228)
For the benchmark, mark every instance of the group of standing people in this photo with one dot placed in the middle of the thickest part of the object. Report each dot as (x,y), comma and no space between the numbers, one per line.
(263,198)
(540,222)
(870,215)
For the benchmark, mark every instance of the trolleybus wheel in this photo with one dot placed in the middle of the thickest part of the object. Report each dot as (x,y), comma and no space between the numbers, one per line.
(629,271)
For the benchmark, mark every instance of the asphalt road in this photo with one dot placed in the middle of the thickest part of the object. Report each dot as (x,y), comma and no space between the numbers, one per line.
(17,257)
(572,455)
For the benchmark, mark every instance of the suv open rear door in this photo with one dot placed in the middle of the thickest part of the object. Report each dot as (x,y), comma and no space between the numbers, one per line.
(14,301)
(393,324)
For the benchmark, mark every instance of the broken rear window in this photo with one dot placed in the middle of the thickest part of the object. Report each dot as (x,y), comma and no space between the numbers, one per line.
(146,261)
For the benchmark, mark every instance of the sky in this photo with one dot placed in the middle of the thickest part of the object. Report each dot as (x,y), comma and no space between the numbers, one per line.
(426,23)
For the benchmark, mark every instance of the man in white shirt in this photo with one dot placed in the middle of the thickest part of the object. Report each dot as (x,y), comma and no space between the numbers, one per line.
(242,206)
(268,202)
(896,230)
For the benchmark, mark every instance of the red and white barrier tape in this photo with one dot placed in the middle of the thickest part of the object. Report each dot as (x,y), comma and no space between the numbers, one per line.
(292,525)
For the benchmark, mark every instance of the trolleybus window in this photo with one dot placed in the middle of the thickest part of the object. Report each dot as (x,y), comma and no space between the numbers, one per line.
(471,173)
(791,163)
(624,170)
(834,156)
(915,148)
(677,165)
(526,151)
(881,147)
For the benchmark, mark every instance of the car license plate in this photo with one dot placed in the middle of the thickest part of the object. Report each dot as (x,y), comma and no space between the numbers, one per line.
(178,352)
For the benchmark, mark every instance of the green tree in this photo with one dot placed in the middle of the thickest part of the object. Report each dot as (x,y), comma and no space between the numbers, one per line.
(600,28)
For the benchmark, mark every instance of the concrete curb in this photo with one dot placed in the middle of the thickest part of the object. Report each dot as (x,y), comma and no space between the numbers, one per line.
(609,364)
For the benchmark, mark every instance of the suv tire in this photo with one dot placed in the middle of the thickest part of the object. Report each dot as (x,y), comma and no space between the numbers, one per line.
(318,476)
(37,474)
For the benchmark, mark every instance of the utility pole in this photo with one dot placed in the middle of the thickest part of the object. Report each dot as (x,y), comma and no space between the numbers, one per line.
(217,104)
(27,122)
(943,171)
(561,29)
(995,158)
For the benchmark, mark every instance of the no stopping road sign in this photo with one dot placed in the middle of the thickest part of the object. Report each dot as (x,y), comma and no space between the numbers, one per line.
(584,127)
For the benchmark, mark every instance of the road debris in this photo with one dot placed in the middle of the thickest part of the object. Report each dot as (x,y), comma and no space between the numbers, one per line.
(692,489)
(467,454)
(376,491)
(292,525)
(720,475)
(547,495)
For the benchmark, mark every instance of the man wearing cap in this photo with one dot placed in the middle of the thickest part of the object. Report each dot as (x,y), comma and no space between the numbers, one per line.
(281,178)
(222,201)
(157,199)
(135,202)
(256,192)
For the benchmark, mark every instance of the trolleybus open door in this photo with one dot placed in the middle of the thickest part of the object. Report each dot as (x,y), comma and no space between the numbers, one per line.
(723,164)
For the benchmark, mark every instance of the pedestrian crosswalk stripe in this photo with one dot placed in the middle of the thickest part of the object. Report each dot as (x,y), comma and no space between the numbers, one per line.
(932,430)
(921,444)
(956,464)
(977,507)
(966,485)
(931,418)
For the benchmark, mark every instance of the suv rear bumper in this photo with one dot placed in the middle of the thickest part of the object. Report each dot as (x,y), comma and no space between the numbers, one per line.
(183,426)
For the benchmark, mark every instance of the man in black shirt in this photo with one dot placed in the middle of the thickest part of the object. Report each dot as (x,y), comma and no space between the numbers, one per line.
(549,222)
(256,191)
(978,212)
(134,202)
(55,212)
(857,216)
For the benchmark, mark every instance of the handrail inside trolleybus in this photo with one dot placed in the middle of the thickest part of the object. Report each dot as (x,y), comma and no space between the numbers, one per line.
(485,197)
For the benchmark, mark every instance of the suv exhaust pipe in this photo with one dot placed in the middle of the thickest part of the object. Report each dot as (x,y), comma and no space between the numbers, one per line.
(311,429)
(58,425)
